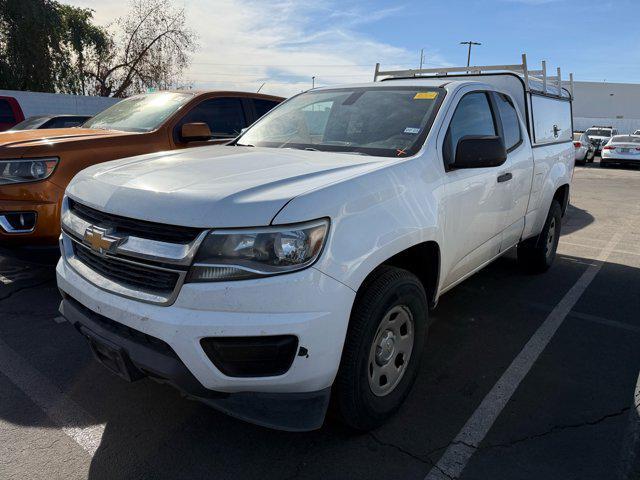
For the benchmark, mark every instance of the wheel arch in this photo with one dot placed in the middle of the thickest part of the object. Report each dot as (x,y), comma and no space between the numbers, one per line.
(423,260)
(562,196)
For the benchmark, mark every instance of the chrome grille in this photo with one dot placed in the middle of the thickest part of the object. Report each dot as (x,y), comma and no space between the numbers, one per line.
(133,227)
(132,258)
(133,275)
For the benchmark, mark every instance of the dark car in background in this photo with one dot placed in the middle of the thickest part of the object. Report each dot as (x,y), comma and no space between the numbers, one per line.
(10,113)
(51,121)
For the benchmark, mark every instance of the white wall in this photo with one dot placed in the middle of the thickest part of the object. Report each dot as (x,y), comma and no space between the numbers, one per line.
(37,103)
(599,103)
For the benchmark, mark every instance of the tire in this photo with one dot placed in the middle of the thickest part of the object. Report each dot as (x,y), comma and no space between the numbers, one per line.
(537,254)
(390,306)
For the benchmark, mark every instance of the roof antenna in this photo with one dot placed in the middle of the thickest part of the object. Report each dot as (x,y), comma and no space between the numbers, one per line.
(263,84)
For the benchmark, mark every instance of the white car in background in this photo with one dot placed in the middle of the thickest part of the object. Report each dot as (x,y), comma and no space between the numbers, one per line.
(621,149)
(585,151)
(599,136)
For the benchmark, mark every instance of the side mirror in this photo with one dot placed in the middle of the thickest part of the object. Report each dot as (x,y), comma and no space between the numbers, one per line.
(475,151)
(195,132)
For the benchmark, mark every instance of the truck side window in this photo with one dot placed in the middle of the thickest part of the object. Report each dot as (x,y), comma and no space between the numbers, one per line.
(473,116)
(224,116)
(512,135)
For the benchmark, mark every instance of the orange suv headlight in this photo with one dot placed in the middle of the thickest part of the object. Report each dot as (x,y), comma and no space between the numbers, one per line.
(22,170)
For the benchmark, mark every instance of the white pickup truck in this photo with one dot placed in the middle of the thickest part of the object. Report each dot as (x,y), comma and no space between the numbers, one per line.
(300,262)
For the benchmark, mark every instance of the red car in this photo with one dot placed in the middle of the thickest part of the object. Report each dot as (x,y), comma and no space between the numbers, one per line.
(10,113)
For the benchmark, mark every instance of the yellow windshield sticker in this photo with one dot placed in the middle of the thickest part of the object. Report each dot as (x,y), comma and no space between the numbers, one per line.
(425,95)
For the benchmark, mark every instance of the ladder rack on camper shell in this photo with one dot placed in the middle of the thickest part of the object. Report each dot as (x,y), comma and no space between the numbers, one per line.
(534,80)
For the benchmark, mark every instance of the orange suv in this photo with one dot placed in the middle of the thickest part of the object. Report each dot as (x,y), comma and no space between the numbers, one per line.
(37,165)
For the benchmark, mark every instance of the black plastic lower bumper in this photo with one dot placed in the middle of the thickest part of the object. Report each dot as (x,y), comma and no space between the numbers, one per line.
(132,355)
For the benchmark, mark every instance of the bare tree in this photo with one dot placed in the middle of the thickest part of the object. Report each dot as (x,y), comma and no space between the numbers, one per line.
(147,48)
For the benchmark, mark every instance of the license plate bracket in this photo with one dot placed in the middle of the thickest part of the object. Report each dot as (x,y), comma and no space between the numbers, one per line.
(112,356)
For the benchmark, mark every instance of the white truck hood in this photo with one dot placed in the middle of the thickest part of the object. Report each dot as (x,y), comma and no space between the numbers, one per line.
(216,186)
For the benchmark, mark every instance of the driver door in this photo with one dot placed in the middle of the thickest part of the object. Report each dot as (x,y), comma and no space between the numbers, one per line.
(475,202)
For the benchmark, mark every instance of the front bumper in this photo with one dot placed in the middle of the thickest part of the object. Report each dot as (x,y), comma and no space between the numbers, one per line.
(145,356)
(308,304)
(44,198)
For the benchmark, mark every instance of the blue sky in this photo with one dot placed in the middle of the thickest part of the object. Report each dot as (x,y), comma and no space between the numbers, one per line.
(282,43)
(594,39)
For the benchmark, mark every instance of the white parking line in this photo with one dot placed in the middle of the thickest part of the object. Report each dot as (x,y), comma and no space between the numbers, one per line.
(64,412)
(581,245)
(457,456)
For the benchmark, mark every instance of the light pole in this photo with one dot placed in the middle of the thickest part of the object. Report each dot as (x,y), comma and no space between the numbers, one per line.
(421,57)
(470,43)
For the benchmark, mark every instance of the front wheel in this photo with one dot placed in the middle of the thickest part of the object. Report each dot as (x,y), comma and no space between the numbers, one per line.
(382,351)
(538,253)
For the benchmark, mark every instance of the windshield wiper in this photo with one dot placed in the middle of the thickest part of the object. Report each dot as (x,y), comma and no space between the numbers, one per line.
(244,145)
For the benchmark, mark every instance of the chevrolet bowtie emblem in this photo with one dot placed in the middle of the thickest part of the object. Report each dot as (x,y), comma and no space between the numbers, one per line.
(99,239)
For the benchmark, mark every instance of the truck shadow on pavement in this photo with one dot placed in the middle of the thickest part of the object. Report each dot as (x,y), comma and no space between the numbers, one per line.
(152,432)
(576,219)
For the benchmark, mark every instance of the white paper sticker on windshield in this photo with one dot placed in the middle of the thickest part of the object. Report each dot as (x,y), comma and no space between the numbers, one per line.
(411,130)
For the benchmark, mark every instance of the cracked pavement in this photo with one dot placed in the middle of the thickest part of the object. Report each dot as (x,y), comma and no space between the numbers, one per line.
(574,416)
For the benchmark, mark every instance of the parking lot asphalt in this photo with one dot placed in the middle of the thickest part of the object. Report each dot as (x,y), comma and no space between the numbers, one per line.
(573,414)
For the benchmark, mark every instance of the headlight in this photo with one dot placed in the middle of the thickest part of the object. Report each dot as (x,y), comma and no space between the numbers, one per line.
(251,253)
(26,170)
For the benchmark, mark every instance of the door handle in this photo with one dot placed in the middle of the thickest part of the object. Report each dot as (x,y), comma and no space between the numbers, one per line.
(505,177)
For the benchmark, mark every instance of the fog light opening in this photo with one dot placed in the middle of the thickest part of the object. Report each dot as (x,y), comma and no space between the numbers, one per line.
(18,222)
(266,356)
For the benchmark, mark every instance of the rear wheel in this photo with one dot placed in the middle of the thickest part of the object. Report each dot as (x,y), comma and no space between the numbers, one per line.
(383,347)
(538,253)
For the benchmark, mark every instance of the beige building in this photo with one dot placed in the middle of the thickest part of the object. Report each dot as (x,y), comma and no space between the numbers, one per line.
(600,103)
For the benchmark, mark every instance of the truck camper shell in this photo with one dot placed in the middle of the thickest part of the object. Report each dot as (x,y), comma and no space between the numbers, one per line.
(543,102)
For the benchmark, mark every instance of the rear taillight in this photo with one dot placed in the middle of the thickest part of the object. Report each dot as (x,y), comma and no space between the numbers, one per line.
(577,144)
(609,147)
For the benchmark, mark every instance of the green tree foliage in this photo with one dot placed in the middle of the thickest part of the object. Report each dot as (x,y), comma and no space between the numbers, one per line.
(44,45)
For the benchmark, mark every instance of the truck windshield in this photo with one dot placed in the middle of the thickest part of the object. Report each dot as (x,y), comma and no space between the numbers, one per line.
(141,113)
(381,121)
